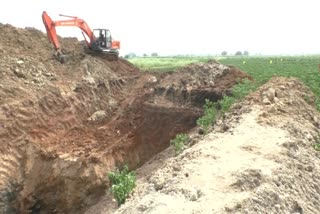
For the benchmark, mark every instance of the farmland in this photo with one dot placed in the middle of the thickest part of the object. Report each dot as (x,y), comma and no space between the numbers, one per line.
(164,64)
(261,69)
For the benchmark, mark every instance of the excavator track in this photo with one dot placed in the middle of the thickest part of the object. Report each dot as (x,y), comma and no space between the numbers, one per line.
(110,56)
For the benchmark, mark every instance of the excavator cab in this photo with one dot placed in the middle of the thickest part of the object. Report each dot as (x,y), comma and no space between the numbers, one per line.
(104,42)
(103,36)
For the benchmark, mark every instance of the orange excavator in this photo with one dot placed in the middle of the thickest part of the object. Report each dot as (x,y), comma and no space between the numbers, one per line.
(99,41)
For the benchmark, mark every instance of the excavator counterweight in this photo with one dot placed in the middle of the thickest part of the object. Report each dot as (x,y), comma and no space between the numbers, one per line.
(99,41)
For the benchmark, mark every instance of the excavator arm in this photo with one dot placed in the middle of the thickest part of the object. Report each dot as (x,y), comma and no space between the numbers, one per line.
(75,22)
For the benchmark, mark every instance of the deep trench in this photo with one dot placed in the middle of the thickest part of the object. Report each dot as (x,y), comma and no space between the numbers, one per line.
(56,185)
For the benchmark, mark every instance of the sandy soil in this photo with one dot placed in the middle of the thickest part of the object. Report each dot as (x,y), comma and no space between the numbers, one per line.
(264,163)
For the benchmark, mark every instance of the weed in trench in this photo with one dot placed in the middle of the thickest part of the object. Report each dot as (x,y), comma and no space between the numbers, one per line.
(317,145)
(179,143)
(122,183)
(209,116)
(210,108)
(307,99)
(226,103)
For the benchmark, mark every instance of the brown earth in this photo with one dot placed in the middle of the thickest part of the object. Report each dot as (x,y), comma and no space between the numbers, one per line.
(64,126)
(265,162)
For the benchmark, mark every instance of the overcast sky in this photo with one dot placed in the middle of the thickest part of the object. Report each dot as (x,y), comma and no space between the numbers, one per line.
(185,26)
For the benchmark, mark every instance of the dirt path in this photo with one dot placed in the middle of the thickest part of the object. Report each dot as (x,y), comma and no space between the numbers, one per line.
(212,171)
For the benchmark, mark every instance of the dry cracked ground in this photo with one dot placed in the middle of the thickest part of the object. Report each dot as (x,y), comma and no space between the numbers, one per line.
(64,126)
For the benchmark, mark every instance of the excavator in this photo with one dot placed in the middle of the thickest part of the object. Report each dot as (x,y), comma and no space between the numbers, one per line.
(99,41)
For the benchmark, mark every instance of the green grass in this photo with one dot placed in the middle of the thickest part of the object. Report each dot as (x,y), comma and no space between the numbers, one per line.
(179,143)
(303,67)
(317,146)
(165,64)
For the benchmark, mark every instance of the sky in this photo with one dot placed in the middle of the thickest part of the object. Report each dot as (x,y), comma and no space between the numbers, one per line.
(201,27)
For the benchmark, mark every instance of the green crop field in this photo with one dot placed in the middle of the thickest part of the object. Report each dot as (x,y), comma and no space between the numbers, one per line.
(163,64)
(260,68)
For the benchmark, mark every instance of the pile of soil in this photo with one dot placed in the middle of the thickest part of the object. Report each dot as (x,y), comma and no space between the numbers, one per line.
(263,162)
(198,80)
(64,126)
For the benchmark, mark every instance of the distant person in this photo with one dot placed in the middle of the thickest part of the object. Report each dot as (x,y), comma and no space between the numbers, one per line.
(102,39)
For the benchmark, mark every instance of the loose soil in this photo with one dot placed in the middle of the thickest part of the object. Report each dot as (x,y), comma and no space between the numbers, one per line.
(64,126)
(259,158)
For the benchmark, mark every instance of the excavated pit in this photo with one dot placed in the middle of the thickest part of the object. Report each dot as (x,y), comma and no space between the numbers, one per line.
(63,127)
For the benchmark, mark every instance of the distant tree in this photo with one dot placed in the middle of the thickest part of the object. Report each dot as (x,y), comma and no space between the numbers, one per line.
(132,55)
(154,54)
(224,53)
(246,53)
(145,55)
(238,53)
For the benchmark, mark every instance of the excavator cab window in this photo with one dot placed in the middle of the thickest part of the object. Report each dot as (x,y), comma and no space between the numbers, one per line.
(103,37)
(108,39)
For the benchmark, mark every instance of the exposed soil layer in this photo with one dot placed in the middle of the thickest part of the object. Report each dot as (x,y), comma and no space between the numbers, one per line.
(264,162)
(64,126)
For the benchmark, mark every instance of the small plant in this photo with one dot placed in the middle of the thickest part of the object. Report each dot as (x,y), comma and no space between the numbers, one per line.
(122,183)
(317,146)
(210,113)
(225,103)
(307,98)
(179,143)
(242,89)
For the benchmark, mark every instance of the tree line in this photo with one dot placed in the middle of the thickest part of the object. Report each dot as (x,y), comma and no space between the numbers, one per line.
(155,54)
(238,53)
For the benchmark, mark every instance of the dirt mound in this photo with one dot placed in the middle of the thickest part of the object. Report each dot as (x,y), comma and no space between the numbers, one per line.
(207,74)
(64,126)
(264,163)
(288,98)
(194,83)
(287,104)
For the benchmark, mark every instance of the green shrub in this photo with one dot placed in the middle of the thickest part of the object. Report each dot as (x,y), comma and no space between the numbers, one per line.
(122,183)
(242,89)
(209,116)
(317,146)
(225,103)
(179,143)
